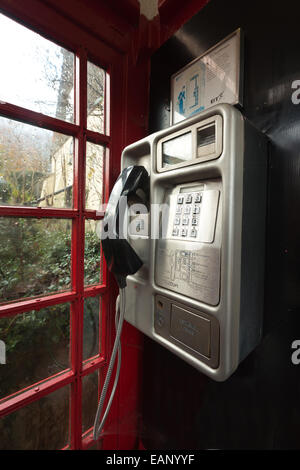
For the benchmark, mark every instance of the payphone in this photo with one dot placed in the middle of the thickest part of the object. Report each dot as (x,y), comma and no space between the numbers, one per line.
(198,282)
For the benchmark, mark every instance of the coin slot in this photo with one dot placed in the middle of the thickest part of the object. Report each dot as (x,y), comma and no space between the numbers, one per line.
(206,139)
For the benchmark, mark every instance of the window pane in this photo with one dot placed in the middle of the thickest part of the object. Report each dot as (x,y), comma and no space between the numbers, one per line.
(35,73)
(94,176)
(92,253)
(35,257)
(95,97)
(91,327)
(37,346)
(42,425)
(90,384)
(36,166)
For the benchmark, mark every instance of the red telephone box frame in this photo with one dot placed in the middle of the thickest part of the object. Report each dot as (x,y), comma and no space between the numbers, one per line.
(51,24)
(97,34)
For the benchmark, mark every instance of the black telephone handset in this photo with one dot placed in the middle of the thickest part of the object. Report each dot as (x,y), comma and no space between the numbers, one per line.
(121,258)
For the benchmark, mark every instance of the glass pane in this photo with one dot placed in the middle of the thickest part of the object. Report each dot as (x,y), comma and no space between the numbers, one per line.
(94,176)
(37,346)
(90,384)
(95,98)
(91,327)
(35,73)
(92,253)
(42,425)
(36,166)
(35,257)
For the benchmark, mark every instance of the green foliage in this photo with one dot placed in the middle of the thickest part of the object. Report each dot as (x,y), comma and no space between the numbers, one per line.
(37,345)
(92,258)
(35,259)
(5,191)
(20,187)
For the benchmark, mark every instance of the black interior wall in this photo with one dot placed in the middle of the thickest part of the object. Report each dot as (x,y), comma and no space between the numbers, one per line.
(259,406)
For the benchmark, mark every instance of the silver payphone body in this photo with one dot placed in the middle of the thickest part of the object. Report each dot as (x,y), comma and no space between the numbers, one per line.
(200,290)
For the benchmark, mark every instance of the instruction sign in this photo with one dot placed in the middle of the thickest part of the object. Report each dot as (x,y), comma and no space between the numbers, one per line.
(215,77)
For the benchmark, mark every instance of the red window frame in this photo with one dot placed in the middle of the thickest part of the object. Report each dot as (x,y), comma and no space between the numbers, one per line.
(112,63)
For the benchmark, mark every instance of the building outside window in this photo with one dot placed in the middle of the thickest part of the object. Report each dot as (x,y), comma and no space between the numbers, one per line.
(54,145)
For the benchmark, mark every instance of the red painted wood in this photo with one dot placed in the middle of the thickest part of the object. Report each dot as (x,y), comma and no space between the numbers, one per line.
(136,81)
(174,13)
(92,364)
(93,291)
(37,212)
(79,28)
(35,392)
(12,111)
(112,168)
(128,9)
(38,15)
(61,29)
(87,440)
(98,18)
(97,137)
(37,303)
(94,215)
(146,38)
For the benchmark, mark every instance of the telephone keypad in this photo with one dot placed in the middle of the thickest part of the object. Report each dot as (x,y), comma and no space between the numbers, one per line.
(188,203)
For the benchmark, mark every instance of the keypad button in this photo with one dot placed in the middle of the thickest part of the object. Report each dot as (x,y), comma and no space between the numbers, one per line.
(193,233)
(194,221)
(175,232)
(160,320)
(140,226)
(196,210)
(177,221)
(185,221)
(183,232)
(178,210)
(180,199)
(198,197)
(187,209)
(189,199)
